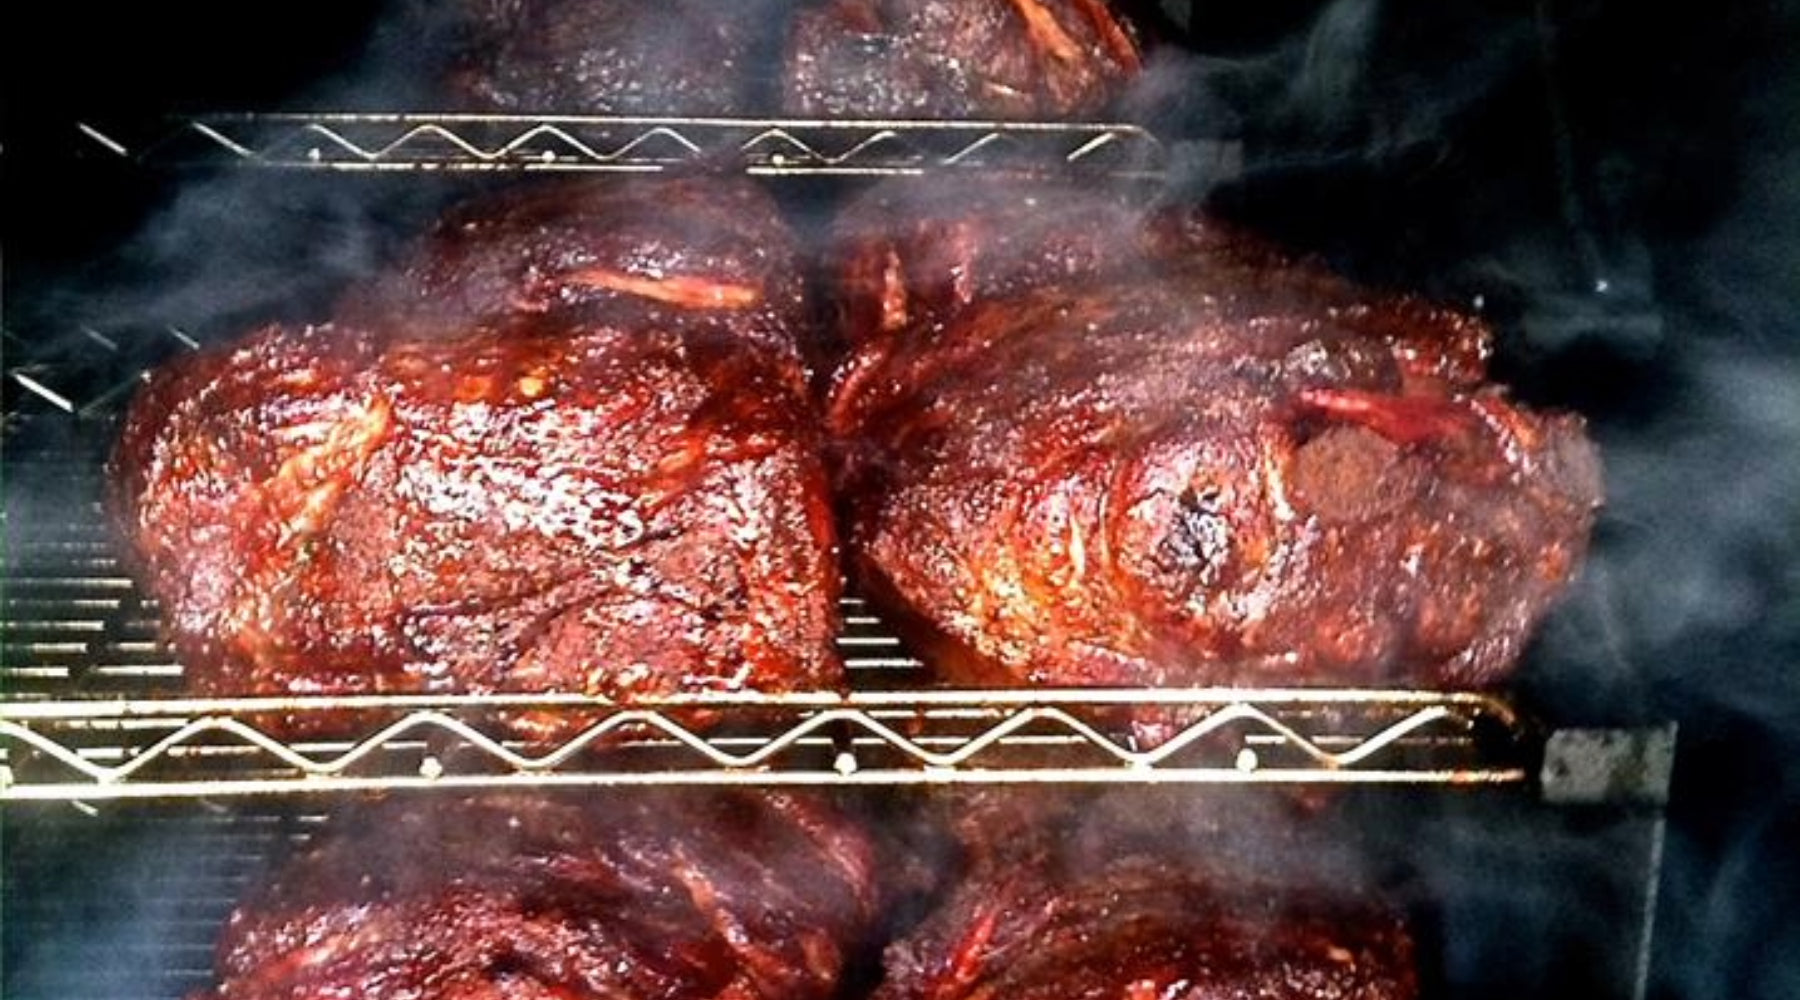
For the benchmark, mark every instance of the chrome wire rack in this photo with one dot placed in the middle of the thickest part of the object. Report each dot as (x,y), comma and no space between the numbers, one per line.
(93,706)
(344,141)
(183,747)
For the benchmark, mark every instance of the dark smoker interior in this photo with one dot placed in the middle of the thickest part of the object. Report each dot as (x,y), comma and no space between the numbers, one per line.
(1615,186)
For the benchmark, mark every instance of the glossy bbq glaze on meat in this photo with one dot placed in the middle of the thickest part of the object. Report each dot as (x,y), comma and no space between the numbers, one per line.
(957,58)
(622,502)
(632,57)
(1215,466)
(1115,908)
(672,896)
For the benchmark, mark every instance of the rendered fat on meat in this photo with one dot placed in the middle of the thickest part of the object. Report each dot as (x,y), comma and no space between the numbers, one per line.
(1144,895)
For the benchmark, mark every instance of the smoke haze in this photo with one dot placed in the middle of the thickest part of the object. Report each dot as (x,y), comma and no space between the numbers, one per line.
(1617,187)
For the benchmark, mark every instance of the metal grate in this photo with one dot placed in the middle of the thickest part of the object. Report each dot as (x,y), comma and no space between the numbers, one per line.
(83,373)
(93,710)
(127,906)
(92,705)
(126,901)
(151,749)
(762,146)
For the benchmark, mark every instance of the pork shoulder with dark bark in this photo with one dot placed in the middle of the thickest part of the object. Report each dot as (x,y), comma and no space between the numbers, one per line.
(1203,464)
(550,455)
(673,896)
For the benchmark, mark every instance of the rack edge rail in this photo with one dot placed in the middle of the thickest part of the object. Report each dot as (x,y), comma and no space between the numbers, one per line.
(172,748)
(367,142)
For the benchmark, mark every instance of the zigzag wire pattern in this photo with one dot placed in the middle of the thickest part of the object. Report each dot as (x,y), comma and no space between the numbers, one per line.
(821,726)
(498,141)
(501,142)
(462,142)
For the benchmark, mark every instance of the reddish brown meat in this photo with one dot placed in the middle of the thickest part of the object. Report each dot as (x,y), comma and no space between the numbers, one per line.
(661,897)
(1112,913)
(957,58)
(907,254)
(624,501)
(638,57)
(1224,469)
(619,250)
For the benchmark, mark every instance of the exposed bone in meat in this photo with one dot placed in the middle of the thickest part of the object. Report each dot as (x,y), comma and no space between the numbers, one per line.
(957,58)
(1214,466)
(668,895)
(621,497)
(675,57)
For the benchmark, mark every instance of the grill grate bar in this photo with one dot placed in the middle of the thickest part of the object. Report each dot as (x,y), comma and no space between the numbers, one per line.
(186,747)
(387,143)
(93,710)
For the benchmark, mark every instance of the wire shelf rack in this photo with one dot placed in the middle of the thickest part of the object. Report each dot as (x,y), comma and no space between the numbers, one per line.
(186,747)
(369,142)
(93,705)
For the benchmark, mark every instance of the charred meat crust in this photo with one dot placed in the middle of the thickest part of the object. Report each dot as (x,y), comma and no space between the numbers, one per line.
(1188,459)
(627,250)
(880,58)
(615,494)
